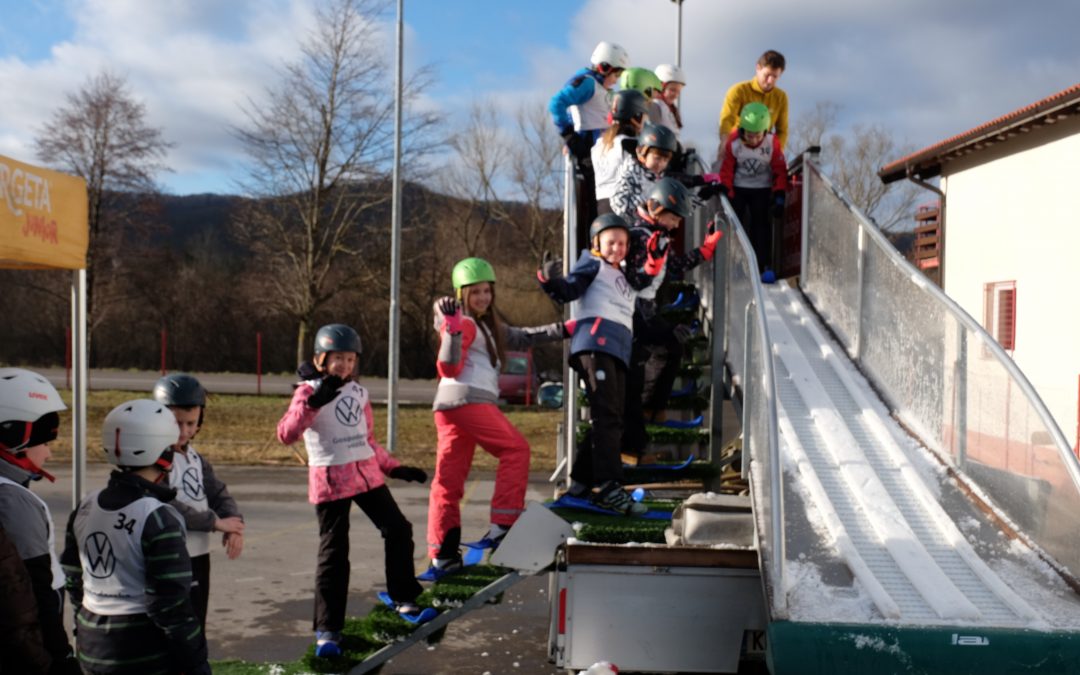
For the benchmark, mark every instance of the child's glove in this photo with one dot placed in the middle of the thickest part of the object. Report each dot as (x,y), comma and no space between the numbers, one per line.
(709,246)
(568,327)
(656,250)
(409,473)
(550,268)
(779,199)
(448,307)
(326,392)
(576,144)
(682,333)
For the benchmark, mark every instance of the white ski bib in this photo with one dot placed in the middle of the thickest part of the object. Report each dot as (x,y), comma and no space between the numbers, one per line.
(110,550)
(477,371)
(609,296)
(54,560)
(186,478)
(339,433)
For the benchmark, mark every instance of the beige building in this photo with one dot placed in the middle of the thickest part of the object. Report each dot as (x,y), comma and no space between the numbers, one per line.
(1010,244)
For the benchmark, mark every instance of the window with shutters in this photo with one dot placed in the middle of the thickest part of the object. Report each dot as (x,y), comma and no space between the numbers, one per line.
(999,312)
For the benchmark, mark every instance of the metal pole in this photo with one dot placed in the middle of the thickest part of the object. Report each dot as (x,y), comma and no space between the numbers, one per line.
(395,247)
(78,387)
(678,35)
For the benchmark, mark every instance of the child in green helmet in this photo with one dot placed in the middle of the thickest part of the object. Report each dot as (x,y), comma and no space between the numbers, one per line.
(753,175)
(473,340)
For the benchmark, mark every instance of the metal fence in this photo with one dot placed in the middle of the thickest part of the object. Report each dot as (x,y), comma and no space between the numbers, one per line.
(939,371)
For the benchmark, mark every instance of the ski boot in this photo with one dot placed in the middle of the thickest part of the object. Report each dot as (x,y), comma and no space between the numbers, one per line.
(327,644)
(613,496)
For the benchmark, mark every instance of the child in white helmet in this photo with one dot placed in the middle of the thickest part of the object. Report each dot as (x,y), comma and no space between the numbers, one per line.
(673,80)
(126,562)
(202,499)
(29,420)
(473,340)
(579,111)
(332,412)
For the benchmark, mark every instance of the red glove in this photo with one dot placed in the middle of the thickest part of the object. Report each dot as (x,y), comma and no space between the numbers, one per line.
(709,247)
(568,327)
(710,177)
(656,250)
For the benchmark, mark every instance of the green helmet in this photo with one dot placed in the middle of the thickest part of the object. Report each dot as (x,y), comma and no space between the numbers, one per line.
(628,104)
(672,196)
(337,337)
(606,222)
(179,389)
(640,79)
(754,117)
(472,271)
(658,136)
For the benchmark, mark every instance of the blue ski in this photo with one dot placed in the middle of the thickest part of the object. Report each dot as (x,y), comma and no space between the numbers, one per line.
(472,556)
(423,616)
(568,502)
(684,424)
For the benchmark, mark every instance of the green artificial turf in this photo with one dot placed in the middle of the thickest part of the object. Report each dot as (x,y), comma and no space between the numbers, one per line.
(599,528)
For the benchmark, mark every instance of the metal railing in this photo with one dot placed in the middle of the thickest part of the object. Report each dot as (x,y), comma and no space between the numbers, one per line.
(733,302)
(939,371)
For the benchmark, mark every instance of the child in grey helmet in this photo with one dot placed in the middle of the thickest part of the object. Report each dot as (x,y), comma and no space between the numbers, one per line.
(346,464)
(127,567)
(202,499)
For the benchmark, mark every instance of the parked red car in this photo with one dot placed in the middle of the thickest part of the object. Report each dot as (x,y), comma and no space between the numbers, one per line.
(519,381)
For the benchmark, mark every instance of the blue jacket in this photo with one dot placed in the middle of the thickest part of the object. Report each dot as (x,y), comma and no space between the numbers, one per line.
(579,91)
(604,309)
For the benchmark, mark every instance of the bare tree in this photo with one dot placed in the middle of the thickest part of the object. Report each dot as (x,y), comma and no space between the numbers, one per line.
(320,142)
(101,135)
(475,176)
(852,159)
(536,161)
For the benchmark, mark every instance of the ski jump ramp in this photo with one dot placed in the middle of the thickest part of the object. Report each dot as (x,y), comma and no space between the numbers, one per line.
(917,509)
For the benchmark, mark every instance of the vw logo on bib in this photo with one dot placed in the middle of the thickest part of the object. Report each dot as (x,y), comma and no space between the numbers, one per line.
(193,486)
(99,553)
(348,410)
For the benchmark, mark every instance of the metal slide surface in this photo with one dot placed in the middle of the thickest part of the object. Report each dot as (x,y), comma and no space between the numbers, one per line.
(870,504)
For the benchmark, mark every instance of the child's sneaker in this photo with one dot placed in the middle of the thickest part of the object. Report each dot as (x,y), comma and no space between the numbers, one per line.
(613,496)
(326,644)
(495,535)
(441,567)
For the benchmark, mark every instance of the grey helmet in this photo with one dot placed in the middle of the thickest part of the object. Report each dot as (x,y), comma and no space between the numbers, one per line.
(337,337)
(179,389)
(628,104)
(658,136)
(606,221)
(672,196)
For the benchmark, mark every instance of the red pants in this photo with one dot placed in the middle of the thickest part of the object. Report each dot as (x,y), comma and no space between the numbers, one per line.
(460,431)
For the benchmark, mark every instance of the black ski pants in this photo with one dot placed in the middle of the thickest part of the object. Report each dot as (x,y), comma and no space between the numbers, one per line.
(605,388)
(332,571)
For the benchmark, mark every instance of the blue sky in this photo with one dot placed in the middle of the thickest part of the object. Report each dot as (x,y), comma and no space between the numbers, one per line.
(924,69)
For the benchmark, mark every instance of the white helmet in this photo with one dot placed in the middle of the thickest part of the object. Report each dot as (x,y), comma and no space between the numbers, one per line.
(611,54)
(137,433)
(26,398)
(668,72)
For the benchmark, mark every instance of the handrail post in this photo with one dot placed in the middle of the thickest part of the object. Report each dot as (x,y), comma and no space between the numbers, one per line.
(961,399)
(570,401)
(748,314)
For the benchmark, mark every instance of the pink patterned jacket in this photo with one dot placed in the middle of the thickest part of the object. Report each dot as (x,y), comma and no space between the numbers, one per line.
(338,481)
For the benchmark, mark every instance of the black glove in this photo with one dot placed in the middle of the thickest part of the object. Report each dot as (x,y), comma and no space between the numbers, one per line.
(576,143)
(682,333)
(410,473)
(550,268)
(779,198)
(307,371)
(692,180)
(326,392)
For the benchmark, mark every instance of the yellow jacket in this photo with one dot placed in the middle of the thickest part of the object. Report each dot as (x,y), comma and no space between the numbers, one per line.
(749,92)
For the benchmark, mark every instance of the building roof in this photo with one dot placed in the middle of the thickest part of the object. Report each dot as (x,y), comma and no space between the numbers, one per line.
(926,163)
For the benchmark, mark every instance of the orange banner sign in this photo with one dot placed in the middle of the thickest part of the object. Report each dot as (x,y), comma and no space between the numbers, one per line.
(43,217)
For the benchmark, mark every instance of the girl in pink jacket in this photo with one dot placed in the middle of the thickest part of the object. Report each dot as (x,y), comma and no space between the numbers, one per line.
(345,465)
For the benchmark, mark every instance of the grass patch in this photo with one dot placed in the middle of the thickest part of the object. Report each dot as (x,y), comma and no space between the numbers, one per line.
(363,636)
(599,528)
(241,429)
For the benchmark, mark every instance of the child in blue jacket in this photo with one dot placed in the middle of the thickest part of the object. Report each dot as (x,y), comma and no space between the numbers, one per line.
(600,353)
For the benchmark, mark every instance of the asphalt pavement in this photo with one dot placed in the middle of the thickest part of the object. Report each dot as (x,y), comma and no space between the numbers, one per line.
(261,603)
(408,392)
